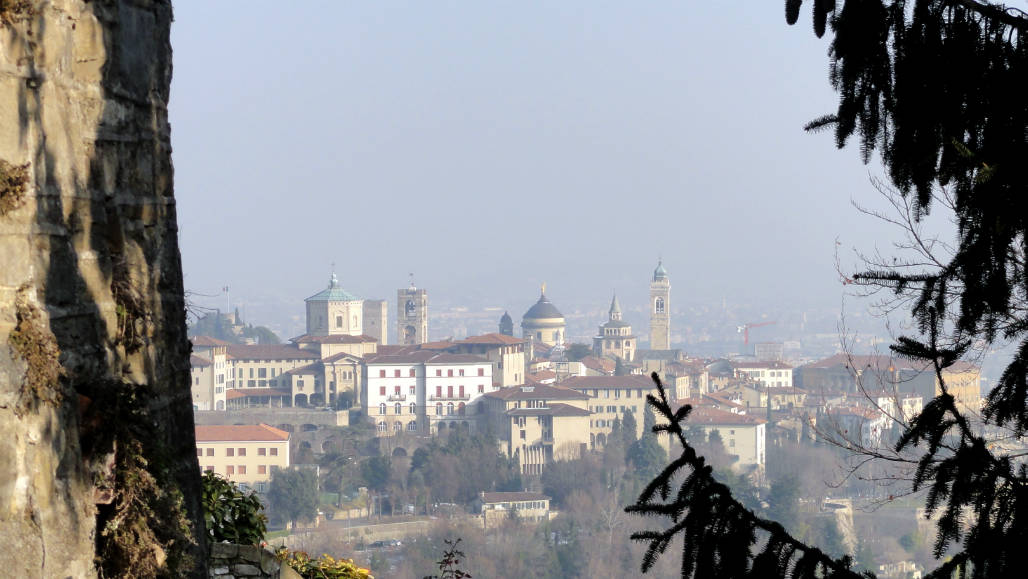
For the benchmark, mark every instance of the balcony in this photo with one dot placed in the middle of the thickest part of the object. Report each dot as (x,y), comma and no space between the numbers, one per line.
(445,397)
(397,397)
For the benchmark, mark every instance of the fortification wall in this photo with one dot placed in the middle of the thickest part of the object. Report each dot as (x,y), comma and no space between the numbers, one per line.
(96,449)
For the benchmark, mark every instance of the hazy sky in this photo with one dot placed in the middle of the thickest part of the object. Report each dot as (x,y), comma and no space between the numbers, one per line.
(490,146)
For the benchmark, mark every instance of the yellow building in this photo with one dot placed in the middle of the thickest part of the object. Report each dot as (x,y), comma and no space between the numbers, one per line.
(742,434)
(527,507)
(611,397)
(244,454)
(538,423)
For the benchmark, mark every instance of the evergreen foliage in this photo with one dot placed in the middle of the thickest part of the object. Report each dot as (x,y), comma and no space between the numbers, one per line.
(230,514)
(722,537)
(294,494)
(937,88)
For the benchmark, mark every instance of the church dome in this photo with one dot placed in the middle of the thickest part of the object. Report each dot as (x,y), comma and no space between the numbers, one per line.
(542,310)
(506,319)
(333,293)
(660,272)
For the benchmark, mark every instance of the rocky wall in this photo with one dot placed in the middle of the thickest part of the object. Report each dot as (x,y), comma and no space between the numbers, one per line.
(98,472)
(246,561)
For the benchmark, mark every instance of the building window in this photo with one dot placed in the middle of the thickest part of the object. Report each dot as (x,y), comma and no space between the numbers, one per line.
(382,408)
(461,371)
(339,321)
(413,390)
(397,408)
(262,452)
(412,426)
(209,468)
(210,452)
(449,373)
(438,372)
(396,390)
(381,390)
(658,305)
(438,391)
(481,388)
(461,391)
(242,469)
(230,452)
(481,371)
(413,408)
(242,452)
(230,470)
(199,452)
(449,408)
(262,372)
(438,408)
(396,373)
(274,451)
(382,426)
(262,469)
(412,373)
(381,373)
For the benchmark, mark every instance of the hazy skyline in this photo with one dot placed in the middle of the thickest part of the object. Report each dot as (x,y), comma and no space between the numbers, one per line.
(489,147)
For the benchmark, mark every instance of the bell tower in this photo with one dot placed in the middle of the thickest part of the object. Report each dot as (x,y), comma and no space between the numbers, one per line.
(660,309)
(411,315)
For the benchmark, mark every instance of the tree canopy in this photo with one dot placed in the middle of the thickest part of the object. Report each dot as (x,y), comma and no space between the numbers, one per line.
(935,87)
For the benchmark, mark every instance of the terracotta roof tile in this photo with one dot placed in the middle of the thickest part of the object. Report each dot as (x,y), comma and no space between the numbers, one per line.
(240,433)
(512,497)
(234,393)
(494,338)
(270,352)
(198,362)
(631,381)
(207,341)
(334,339)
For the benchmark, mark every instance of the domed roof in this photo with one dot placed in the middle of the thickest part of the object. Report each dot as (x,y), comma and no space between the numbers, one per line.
(333,293)
(660,272)
(506,319)
(542,310)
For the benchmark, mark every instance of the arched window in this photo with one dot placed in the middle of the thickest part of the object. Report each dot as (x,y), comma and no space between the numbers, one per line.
(438,408)
(413,408)
(398,409)
(382,426)
(658,305)
(382,408)
(449,408)
(412,426)
(397,426)
(460,409)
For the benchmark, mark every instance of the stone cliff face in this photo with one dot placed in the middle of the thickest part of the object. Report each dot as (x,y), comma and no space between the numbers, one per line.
(97,461)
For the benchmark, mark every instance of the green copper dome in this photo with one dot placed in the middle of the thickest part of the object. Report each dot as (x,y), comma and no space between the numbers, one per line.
(333,293)
(660,272)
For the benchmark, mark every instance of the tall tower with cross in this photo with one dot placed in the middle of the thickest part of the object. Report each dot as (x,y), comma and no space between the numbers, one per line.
(660,309)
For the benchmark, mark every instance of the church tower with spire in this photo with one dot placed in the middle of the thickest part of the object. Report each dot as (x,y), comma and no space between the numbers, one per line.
(411,315)
(615,339)
(660,309)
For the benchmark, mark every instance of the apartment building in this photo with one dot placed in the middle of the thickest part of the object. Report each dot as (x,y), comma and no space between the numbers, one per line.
(244,454)
(538,423)
(610,397)
(425,391)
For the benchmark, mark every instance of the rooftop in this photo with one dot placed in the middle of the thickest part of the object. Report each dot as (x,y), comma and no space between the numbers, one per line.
(537,392)
(707,415)
(235,393)
(491,339)
(631,381)
(269,352)
(207,341)
(333,339)
(512,497)
(240,433)
(198,362)
(333,293)
(556,409)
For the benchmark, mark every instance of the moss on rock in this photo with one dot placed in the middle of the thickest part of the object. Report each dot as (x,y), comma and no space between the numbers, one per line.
(14,180)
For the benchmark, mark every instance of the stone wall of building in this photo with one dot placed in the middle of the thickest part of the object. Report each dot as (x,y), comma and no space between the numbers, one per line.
(246,562)
(97,458)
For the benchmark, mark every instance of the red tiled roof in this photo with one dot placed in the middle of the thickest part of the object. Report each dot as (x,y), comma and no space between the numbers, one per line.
(198,362)
(774,365)
(395,349)
(537,392)
(334,339)
(541,375)
(340,356)
(599,364)
(415,357)
(512,497)
(240,433)
(631,381)
(270,352)
(440,345)
(707,415)
(492,339)
(207,341)
(552,410)
(883,362)
(234,393)
(457,359)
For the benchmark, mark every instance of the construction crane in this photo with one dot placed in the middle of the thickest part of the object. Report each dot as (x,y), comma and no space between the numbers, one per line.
(745,330)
